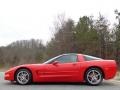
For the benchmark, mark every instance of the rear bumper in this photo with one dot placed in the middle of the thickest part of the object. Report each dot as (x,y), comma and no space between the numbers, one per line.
(110,72)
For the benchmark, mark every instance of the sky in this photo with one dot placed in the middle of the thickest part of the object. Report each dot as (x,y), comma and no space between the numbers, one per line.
(28,19)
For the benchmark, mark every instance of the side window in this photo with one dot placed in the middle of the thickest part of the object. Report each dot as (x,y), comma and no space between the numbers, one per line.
(88,58)
(67,58)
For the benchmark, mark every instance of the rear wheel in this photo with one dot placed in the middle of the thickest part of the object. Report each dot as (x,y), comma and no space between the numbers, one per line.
(94,76)
(23,76)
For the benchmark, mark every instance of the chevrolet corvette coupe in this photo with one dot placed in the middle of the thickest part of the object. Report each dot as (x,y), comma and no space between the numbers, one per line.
(69,67)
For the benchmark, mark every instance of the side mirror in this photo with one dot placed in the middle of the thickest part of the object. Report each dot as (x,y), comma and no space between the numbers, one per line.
(55,62)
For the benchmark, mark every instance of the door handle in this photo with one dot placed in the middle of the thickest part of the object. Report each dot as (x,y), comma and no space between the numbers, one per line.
(74,63)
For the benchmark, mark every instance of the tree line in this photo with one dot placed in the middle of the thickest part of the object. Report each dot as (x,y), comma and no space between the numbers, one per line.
(88,36)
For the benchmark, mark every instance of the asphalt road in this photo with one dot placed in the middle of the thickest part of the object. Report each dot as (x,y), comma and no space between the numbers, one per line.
(106,85)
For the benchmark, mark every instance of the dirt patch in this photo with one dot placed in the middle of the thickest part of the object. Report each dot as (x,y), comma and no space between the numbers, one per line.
(117,76)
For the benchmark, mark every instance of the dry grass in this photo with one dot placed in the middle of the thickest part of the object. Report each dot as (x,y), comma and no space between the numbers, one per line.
(2,69)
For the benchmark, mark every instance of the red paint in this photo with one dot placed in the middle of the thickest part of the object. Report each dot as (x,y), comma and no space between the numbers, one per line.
(65,72)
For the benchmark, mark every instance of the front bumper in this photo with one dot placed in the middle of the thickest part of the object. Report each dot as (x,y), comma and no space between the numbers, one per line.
(9,75)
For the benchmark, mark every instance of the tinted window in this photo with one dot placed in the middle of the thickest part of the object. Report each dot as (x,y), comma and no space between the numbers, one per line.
(88,58)
(67,58)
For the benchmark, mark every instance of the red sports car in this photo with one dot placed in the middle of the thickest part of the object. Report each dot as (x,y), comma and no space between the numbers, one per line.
(65,68)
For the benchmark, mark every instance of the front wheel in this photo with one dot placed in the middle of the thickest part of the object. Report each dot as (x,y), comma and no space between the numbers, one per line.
(23,76)
(93,76)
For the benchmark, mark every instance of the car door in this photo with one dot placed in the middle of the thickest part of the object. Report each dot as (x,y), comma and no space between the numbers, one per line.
(66,69)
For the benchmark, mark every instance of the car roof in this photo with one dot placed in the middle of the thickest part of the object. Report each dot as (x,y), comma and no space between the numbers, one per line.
(70,54)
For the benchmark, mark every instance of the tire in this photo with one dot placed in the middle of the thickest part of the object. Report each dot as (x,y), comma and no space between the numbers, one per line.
(23,76)
(93,76)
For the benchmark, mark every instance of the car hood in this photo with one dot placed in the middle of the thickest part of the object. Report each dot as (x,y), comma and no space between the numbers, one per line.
(24,65)
(29,65)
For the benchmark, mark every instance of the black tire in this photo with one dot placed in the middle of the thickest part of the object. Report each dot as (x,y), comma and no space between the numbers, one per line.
(99,76)
(27,77)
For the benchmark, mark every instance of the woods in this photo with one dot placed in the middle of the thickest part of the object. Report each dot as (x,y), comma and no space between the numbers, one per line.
(88,36)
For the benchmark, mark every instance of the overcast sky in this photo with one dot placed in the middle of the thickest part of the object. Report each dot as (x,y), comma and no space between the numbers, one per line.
(26,19)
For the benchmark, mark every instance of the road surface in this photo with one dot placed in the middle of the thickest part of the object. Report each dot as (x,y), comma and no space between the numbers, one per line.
(106,85)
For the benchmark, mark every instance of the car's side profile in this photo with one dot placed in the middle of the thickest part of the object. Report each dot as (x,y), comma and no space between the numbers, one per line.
(65,68)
